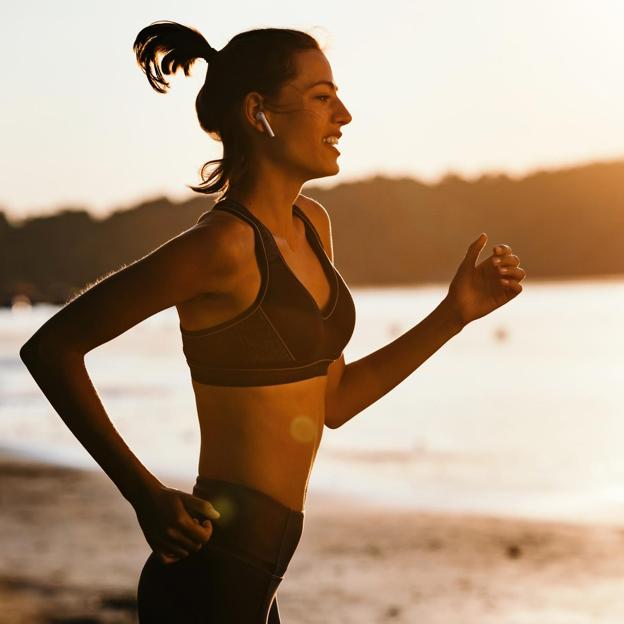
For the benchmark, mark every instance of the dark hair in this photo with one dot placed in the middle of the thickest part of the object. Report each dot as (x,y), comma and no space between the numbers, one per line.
(259,60)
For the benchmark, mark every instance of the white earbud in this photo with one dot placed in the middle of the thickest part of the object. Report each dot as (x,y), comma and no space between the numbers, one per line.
(265,122)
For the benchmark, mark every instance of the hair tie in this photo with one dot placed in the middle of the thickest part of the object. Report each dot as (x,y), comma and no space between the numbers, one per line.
(209,53)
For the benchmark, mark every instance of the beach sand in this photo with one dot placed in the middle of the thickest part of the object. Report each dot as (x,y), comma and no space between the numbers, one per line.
(72,551)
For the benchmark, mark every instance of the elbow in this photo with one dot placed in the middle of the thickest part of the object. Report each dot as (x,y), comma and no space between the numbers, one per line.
(34,353)
(334,413)
(30,351)
(331,422)
(36,350)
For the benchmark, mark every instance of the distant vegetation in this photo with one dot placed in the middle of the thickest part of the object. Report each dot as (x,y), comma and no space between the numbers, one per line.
(564,223)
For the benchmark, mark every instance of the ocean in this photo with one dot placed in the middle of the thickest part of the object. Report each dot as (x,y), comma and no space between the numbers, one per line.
(521,414)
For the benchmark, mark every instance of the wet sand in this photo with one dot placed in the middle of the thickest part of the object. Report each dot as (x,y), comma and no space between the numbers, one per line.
(72,551)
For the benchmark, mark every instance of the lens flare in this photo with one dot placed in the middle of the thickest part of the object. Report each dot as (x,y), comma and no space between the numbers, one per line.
(226,507)
(303,429)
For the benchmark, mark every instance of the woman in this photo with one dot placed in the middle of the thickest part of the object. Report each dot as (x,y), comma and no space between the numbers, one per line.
(264,318)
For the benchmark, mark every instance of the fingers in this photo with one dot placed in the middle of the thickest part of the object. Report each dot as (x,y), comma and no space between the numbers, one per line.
(189,508)
(510,272)
(199,533)
(507,266)
(190,535)
(199,506)
(194,530)
(179,537)
(501,250)
(168,552)
(185,533)
(511,286)
(506,260)
(194,520)
(167,559)
(177,545)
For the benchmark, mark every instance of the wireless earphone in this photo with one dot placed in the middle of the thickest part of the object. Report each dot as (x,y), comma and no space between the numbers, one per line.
(261,116)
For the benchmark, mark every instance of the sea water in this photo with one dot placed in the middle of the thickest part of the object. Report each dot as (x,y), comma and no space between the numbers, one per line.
(520,414)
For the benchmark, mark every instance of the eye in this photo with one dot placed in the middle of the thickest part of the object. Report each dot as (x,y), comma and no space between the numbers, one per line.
(320,97)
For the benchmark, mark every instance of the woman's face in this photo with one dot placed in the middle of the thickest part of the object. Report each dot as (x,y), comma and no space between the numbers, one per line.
(308,111)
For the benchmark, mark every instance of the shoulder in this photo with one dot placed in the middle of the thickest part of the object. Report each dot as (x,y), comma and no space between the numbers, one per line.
(221,244)
(227,233)
(220,224)
(316,212)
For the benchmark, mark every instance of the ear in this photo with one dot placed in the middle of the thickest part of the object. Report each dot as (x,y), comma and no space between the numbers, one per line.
(252,105)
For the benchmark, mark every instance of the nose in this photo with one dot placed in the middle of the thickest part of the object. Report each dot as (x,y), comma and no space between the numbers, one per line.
(343,114)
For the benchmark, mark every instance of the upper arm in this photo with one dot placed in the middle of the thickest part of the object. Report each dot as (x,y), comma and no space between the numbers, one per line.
(320,217)
(199,260)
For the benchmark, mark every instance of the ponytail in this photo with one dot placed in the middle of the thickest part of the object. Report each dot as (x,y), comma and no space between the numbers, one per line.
(180,44)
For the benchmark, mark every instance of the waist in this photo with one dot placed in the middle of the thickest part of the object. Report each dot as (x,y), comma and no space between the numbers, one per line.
(266,437)
(253,525)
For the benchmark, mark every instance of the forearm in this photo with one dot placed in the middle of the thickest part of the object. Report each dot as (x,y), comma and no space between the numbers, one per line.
(368,379)
(65,382)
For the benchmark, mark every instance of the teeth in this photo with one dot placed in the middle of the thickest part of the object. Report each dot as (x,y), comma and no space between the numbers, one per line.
(331,139)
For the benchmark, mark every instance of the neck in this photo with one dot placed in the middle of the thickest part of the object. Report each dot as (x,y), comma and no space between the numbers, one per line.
(270,198)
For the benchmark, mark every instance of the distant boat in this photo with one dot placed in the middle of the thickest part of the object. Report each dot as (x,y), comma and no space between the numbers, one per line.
(501,334)
(393,329)
(20,303)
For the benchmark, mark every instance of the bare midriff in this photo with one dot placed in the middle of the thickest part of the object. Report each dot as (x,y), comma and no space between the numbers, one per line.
(265,437)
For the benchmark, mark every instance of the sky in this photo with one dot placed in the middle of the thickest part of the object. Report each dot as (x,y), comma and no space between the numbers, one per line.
(488,86)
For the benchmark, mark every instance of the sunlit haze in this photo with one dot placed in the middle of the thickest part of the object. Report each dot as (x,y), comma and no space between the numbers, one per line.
(433,87)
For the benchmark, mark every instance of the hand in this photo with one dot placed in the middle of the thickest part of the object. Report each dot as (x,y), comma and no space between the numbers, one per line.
(478,290)
(170,521)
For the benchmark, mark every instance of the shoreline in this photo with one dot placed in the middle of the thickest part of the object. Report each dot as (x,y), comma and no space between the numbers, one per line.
(319,495)
(72,548)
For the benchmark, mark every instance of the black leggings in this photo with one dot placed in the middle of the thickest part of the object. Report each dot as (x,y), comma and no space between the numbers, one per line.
(234,578)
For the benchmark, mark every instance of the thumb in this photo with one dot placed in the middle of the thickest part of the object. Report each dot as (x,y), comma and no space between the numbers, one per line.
(475,248)
(201,506)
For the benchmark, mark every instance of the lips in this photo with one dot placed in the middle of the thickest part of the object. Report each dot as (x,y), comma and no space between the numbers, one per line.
(333,147)
(337,135)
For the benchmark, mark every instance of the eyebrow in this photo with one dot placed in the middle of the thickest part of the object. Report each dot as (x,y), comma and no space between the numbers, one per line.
(327,82)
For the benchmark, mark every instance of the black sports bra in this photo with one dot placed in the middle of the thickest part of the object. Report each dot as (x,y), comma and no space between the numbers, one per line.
(283,336)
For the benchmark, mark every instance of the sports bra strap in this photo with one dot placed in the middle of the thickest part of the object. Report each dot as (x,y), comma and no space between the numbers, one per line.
(270,250)
(305,218)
